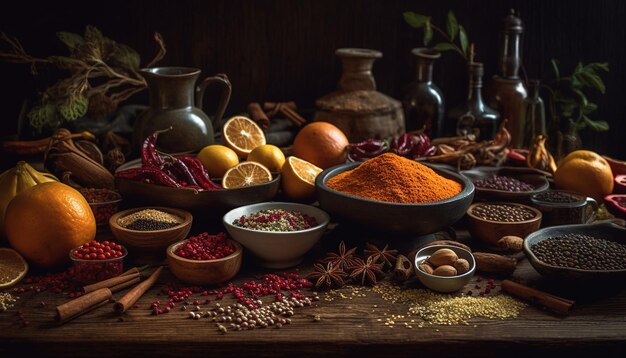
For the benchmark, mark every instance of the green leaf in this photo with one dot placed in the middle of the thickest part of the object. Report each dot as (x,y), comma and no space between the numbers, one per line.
(598,126)
(597,66)
(555,67)
(428,33)
(93,35)
(444,46)
(73,107)
(591,80)
(589,108)
(582,99)
(463,39)
(71,40)
(415,20)
(125,57)
(567,107)
(42,115)
(579,67)
(452,26)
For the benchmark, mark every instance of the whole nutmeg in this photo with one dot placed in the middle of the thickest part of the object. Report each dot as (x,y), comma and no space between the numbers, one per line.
(445,270)
(461,266)
(443,257)
(425,267)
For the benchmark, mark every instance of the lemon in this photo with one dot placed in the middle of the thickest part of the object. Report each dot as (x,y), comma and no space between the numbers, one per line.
(13,267)
(269,155)
(298,179)
(246,174)
(217,159)
(242,135)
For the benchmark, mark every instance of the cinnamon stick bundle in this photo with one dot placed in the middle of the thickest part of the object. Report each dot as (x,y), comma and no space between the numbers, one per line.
(82,305)
(123,304)
(553,303)
(257,114)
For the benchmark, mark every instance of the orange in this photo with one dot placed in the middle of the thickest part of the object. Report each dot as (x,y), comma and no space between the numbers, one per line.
(298,179)
(321,144)
(217,159)
(46,221)
(13,267)
(242,135)
(585,172)
(269,155)
(246,174)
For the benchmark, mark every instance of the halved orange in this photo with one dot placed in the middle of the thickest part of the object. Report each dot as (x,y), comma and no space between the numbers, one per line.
(298,181)
(246,174)
(13,267)
(242,135)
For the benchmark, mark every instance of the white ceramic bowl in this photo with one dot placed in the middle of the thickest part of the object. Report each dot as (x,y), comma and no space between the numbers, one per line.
(440,283)
(274,249)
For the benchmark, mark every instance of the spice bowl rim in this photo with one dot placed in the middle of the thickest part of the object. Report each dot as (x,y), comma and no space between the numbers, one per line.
(172,248)
(99,261)
(537,212)
(183,214)
(118,199)
(419,259)
(279,205)
(475,173)
(583,199)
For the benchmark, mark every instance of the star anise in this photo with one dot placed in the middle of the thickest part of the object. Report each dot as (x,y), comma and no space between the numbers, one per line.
(367,272)
(343,259)
(327,277)
(385,256)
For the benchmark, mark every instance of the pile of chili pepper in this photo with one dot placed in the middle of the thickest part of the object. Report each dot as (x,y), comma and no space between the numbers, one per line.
(409,145)
(167,170)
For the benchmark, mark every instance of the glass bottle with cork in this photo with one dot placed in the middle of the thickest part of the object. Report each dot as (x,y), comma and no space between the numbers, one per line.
(506,92)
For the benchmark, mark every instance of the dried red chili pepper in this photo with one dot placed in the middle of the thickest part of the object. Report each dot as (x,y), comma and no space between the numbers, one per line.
(368,148)
(403,144)
(197,169)
(179,171)
(150,175)
(149,155)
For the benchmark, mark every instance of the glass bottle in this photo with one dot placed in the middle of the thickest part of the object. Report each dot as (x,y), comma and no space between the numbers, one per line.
(474,117)
(533,115)
(423,103)
(506,92)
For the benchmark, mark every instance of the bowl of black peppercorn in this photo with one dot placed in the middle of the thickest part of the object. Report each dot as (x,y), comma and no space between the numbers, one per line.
(489,222)
(508,184)
(579,252)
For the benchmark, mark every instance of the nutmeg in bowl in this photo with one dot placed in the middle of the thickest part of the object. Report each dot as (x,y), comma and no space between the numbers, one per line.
(444,268)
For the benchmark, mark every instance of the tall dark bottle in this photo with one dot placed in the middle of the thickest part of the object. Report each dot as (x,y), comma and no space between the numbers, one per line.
(423,103)
(474,117)
(506,92)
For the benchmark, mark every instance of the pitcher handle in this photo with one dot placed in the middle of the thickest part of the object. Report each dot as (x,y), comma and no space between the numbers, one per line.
(222,80)
(590,202)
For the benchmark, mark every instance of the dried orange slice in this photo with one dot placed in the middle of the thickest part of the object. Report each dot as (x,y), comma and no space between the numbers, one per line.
(13,267)
(242,135)
(246,174)
(298,181)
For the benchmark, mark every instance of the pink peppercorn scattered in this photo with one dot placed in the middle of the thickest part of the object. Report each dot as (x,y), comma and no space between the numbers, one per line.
(206,247)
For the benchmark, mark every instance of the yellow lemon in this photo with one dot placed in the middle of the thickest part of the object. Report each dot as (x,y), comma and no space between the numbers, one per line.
(217,159)
(269,155)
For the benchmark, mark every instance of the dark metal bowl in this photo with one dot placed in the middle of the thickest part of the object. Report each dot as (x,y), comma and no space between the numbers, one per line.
(417,219)
(210,202)
(533,177)
(605,230)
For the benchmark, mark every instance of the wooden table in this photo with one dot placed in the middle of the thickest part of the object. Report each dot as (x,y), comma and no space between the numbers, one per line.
(597,325)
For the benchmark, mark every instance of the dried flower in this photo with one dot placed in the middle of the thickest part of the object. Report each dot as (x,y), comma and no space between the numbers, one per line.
(385,256)
(327,277)
(367,272)
(343,259)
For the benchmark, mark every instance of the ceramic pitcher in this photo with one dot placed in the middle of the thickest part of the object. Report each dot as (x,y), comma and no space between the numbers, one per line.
(176,101)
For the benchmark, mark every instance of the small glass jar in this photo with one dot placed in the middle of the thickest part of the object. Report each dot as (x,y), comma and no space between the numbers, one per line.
(88,271)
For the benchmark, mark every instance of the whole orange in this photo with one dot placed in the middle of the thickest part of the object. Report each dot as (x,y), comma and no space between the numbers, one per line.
(46,221)
(321,144)
(585,172)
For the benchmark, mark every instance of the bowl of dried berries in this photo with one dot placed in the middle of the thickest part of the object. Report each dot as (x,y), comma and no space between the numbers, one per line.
(444,268)
(508,184)
(148,231)
(278,234)
(579,252)
(205,259)
(103,203)
(97,261)
(489,222)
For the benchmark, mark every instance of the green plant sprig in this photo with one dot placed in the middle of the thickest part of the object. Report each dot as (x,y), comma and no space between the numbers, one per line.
(453,32)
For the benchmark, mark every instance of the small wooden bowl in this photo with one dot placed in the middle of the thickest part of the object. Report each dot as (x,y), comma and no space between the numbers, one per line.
(204,272)
(150,245)
(490,231)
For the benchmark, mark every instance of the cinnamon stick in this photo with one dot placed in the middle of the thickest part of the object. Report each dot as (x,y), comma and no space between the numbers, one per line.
(495,264)
(271,106)
(257,114)
(553,303)
(293,116)
(133,295)
(82,305)
(121,286)
(114,281)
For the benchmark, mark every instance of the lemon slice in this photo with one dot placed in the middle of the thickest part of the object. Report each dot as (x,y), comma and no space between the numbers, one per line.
(246,174)
(298,181)
(242,135)
(13,267)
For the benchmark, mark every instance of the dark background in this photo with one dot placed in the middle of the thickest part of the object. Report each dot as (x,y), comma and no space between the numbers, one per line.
(284,50)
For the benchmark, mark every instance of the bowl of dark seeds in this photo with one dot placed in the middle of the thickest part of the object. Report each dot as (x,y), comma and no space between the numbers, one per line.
(507,184)
(148,231)
(579,252)
(490,221)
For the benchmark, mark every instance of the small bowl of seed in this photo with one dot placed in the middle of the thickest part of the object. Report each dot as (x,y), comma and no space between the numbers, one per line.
(444,268)
(489,222)
(148,231)
(103,203)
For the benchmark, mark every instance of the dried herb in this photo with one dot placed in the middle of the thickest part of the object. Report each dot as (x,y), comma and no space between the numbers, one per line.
(385,256)
(101,74)
(326,277)
(343,259)
(367,272)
